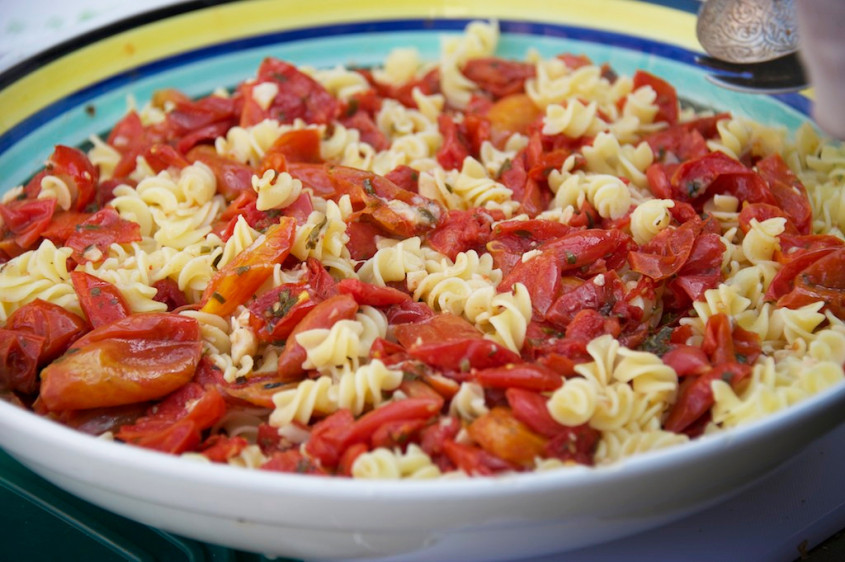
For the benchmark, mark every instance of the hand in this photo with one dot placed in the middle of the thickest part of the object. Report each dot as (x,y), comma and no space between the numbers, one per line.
(821,24)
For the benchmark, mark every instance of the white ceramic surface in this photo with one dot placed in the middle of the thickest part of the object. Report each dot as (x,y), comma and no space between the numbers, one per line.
(483,519)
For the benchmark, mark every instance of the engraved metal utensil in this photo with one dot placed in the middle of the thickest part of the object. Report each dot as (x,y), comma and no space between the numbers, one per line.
(748,31)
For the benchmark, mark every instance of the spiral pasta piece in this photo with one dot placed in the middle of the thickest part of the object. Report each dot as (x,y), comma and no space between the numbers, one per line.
(385,464)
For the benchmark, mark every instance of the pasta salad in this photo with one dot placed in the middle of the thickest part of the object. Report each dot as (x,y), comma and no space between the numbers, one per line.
(472,266)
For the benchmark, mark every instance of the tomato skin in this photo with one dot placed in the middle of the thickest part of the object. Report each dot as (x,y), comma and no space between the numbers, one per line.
(362,239)
(761,212)
(701,272)
(101,230)
(498,77)
(692,179)
(823,280)
(169,293)
(73,166)
(220,448)
(344,466)
(405,177)
(451,343)
(299,96)
(19,354)
(666,253)
(372,194)
(607,294)
(513,113)
(524,376)
(292,461)
(368,130)
(511,239)
(131,138)
(455,147)
(326,442)
(275,313)
(695,397)
(135,359)
(788,191)
(503,435)
(324,315)
(102,302)
(301,145)
(441,327)
(461,355)
(577,444)
(27,219)
(396,433)
(573,444)
(530,408)
(541,276)
(240,279)
(687,360)
(408,410)
(667,97)
(461,231)
(474,460)
(59,327)
(233,178)
(175,424)
(684,141)
(372,295)
(63,225)
(573,251)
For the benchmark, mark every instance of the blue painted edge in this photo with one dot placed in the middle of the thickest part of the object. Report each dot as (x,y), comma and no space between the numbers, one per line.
(639,44)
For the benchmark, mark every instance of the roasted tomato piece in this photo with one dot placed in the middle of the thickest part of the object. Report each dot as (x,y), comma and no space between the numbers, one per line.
(91,238)
(324,315)
(59,327)
(175,424)
(138,358)
(101,301)
(238,281)
(503,435)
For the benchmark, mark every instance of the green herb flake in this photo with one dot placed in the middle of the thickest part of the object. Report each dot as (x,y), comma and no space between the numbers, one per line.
(695,187)
(427,215)
(218,297)
(284,304)
(242,269)
(95,292)
(368,186)
(352,108)
(465,365)
(506,165)
(571,258)
(659,342)
(314,235)
(272,385)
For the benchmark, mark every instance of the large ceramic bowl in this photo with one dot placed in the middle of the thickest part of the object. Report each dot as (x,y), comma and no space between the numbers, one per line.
(64,98)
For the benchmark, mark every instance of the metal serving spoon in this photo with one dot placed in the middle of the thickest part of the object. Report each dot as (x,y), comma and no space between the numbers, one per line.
(748,31)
